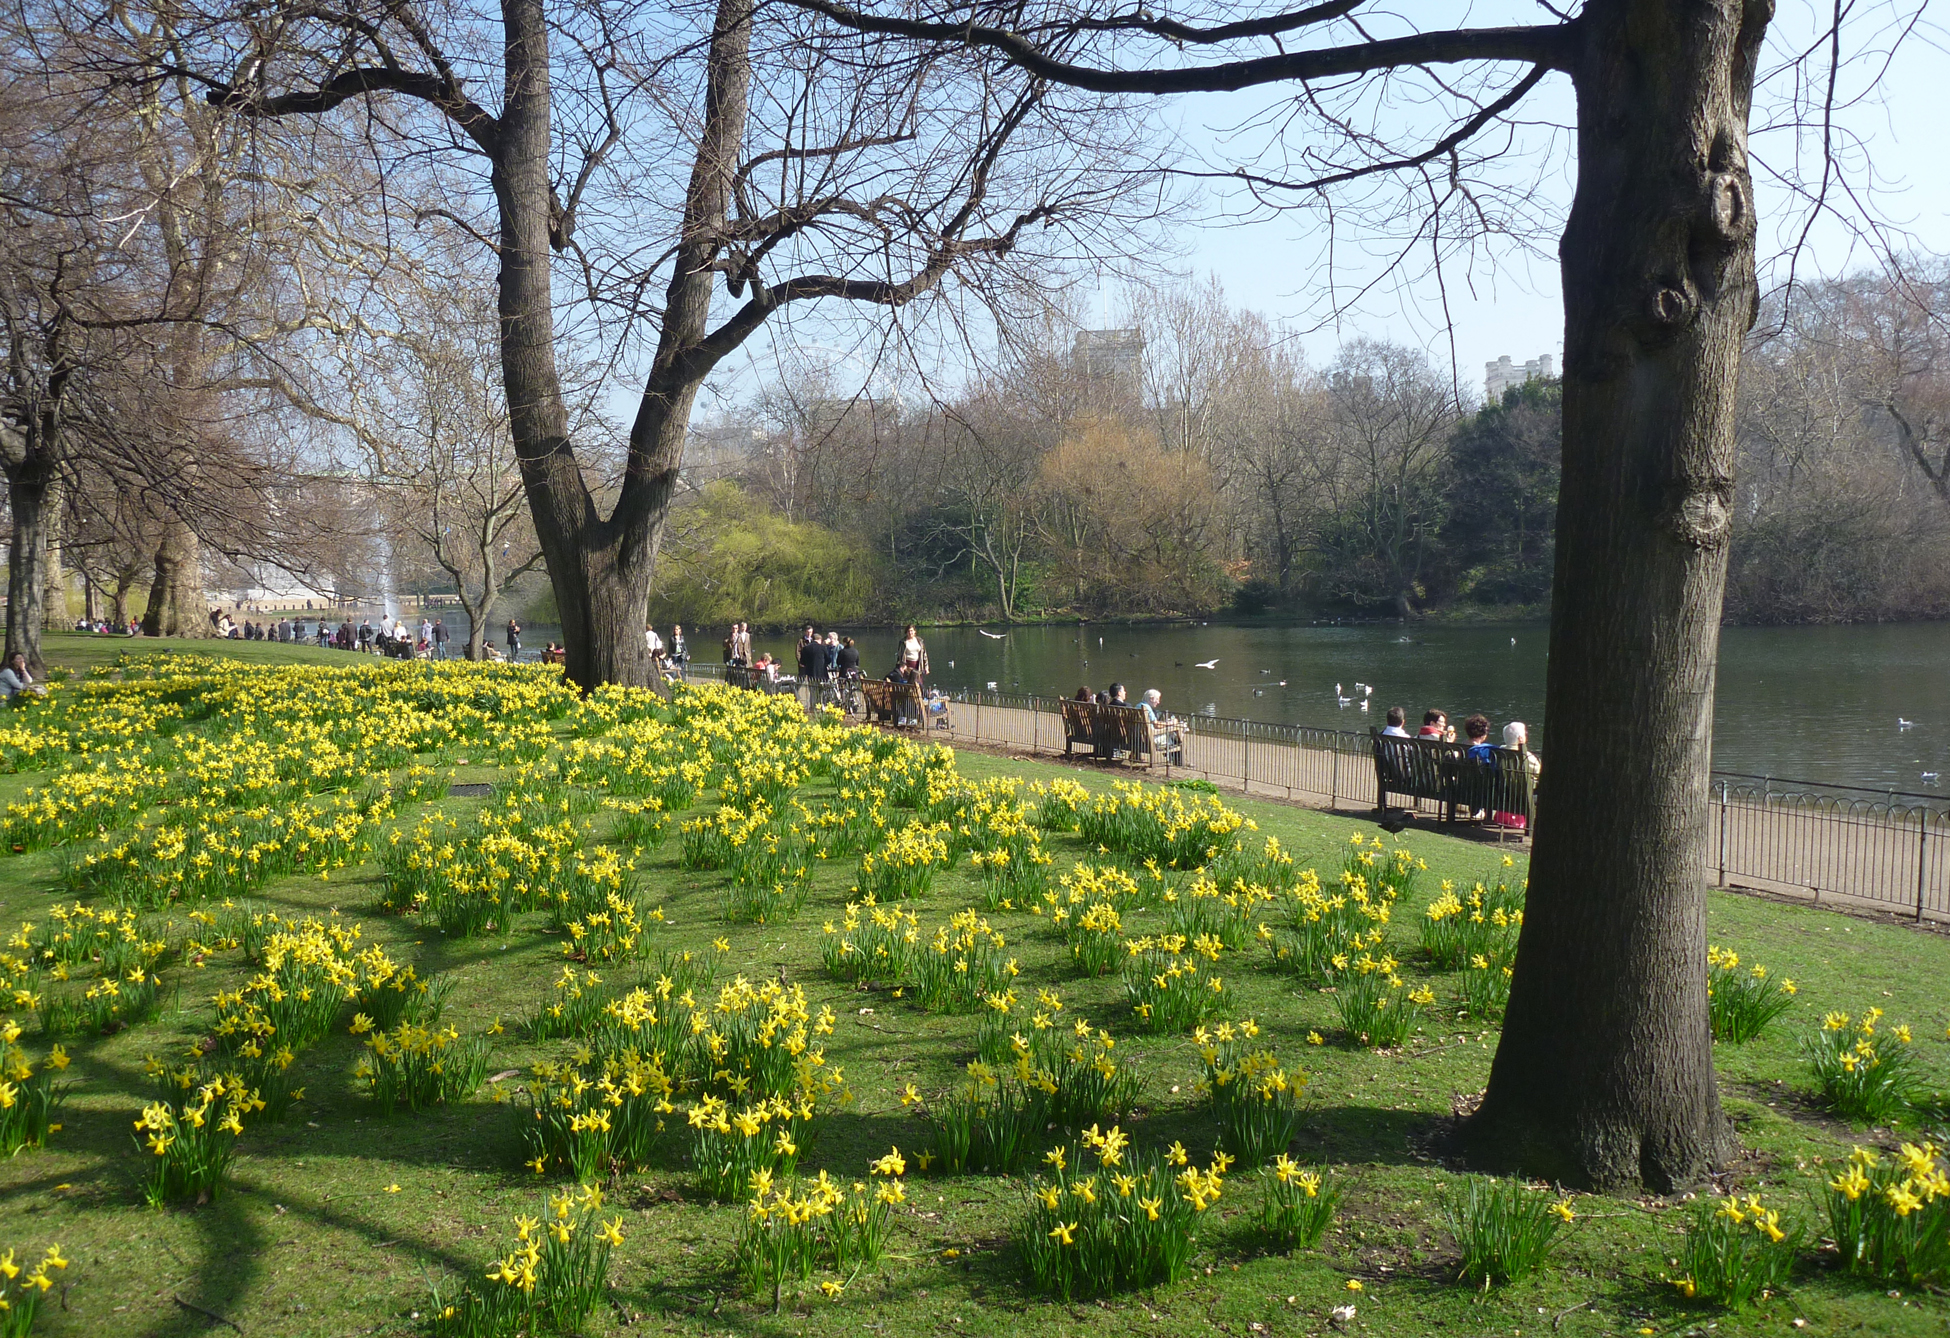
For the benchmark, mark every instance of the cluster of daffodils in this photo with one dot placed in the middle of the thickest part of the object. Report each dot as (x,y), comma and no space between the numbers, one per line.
(1744,999)
(596,1117)
(1087,909)
(421,1066)
(1145,822)
(1253,1098)
(22,1287)
(1483,922)
(1060,804)
(554,1277)
(1736,1249)
(309,970)
(871,942)
(1009,879)
(1890,1215)
(1322,924)
(209,734)
(194,857)
(192,1134)
(731,1145)
(29,1096)
(1230,911)
(86,970)
(793,1228)
(1169,981)
(1109,1218)
(905,865)
(1299,1204)
(1377,1008)
(1864,1074)
(475,878)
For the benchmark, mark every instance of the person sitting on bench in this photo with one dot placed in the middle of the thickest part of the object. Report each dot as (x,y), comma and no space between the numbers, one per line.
(1397,720)
(1164,728)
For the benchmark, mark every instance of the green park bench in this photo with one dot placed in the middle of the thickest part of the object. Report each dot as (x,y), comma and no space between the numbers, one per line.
(1444,774)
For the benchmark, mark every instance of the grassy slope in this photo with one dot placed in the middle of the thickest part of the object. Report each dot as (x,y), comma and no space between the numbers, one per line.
(310,1241)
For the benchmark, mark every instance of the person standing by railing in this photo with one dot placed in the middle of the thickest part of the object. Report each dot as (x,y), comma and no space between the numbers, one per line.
(911,661)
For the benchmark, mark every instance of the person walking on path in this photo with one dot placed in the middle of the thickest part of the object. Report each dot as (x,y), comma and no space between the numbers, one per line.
(680,649)
(514,641)
(439,638)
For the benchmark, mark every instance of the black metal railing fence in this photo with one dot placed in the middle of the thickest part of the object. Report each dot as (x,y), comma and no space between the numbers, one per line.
(1888,849)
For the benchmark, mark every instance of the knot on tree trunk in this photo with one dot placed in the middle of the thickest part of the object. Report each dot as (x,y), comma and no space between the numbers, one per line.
(1729,215)
(1671,306)
(1700,513)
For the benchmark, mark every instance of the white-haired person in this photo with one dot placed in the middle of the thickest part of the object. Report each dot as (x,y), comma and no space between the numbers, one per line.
(1165,736)
(1516,738)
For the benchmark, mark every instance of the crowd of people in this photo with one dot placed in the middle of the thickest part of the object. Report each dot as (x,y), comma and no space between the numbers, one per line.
(826,661)
(390,637)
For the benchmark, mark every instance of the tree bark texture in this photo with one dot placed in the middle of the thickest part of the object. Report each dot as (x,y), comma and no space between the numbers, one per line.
(30,488)
(1604,1074)
(176,596)
(55,616)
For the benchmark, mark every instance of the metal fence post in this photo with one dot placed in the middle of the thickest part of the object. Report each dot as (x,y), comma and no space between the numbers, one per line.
(1334,785)
(1723,833)
(1922,858)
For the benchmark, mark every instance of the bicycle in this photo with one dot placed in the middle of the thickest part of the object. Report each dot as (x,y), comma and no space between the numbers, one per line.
(842,691)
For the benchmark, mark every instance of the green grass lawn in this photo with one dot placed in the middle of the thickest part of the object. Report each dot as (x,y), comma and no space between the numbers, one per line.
(78,652)
(338,1220)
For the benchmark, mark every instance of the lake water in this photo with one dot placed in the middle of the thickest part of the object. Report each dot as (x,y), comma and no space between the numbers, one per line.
(1811,703)
(1807,703)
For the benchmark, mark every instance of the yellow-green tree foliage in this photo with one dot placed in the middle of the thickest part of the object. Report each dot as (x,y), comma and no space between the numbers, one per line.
(730,557)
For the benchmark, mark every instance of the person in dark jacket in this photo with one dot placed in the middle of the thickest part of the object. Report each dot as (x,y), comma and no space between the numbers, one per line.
(849,658)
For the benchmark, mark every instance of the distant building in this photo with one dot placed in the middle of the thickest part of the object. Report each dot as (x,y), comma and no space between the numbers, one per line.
(1110,355)
(1502,374)
(719,450)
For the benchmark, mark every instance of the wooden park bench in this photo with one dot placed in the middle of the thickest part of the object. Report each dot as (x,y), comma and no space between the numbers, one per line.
(1114,730)
(1079,724)
(1444,774)
(892,703)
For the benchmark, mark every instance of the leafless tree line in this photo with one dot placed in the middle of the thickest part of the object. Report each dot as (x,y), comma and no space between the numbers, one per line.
(1216,468)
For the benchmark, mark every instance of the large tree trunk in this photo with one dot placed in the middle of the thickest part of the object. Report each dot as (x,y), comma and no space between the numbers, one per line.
(176,606)
(30,489)
(55,616)
(119,600)
(601,569)
(1604,1075)
(585,556)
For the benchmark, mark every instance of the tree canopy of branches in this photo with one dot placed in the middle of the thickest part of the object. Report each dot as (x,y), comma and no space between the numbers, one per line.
(805,173)
(1604,1073)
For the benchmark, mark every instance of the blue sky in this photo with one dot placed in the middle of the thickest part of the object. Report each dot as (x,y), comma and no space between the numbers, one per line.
(1513,304)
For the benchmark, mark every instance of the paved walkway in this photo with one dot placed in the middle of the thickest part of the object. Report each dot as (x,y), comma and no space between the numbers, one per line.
(1855,853)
